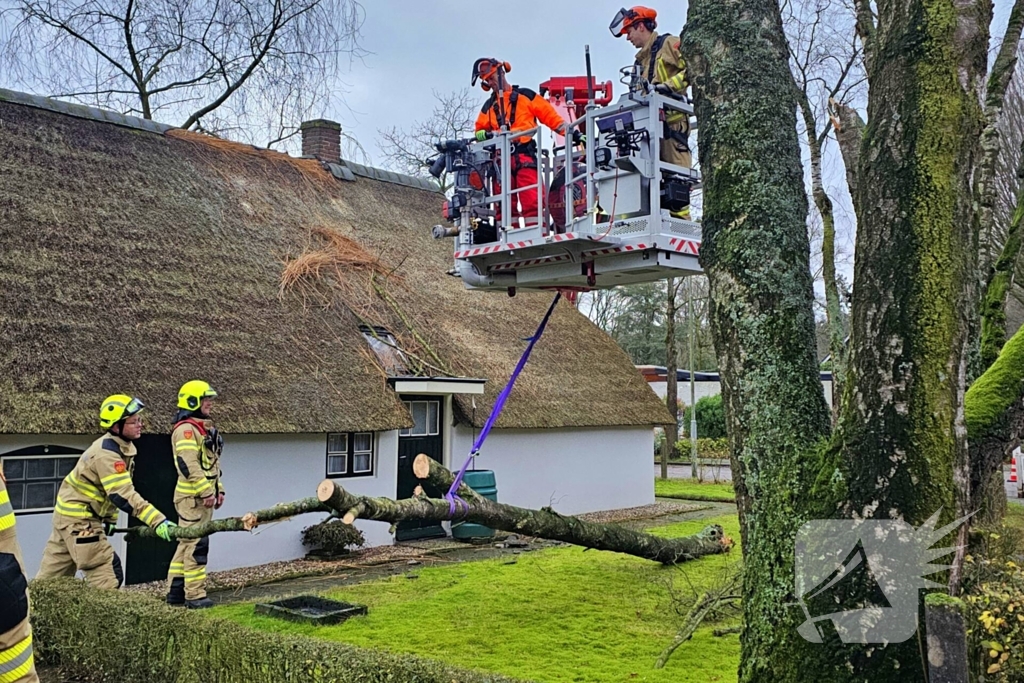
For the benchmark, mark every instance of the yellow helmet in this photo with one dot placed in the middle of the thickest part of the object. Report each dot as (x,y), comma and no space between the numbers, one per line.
(192,394)
(118,407)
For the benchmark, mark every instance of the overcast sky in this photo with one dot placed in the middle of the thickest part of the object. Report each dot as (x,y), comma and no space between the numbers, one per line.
(420,46)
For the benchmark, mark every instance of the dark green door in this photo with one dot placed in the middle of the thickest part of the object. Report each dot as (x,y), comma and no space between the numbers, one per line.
(426,436)
(155,477)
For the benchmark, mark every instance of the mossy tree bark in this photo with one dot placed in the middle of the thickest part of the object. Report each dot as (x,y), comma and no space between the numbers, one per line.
(994,414)
(900,449)
(756,254)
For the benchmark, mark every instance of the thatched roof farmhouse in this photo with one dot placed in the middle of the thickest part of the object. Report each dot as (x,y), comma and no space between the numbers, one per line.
(136,256)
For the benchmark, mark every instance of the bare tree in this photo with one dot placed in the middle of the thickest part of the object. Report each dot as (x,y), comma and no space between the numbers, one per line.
(253,69)
(827,67)
(407,150)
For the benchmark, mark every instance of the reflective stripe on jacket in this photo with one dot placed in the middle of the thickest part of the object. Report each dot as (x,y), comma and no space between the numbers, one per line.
(198,465)
(101,484)
(669,67)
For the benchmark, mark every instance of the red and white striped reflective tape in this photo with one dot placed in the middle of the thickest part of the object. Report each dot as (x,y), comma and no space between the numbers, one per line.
(617,250)
(563,237)
(530,262)
(493,249)
(685,246)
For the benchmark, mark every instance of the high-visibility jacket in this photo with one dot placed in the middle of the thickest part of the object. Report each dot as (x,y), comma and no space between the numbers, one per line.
(197,459)
(665,66)
(101,484)
(16,660)
(517,109)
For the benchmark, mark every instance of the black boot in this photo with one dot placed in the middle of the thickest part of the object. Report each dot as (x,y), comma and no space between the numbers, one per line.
(202,603)
(176,595)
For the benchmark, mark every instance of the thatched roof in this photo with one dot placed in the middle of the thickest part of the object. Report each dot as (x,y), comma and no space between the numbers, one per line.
(132,260)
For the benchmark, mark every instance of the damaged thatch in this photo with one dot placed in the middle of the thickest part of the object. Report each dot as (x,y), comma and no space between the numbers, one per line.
(133,261)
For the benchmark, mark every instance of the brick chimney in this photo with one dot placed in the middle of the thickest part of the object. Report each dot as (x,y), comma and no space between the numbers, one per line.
(321,139)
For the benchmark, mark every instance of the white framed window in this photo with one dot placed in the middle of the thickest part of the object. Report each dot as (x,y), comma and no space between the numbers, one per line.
(425,418)
(350,455)
(34,475)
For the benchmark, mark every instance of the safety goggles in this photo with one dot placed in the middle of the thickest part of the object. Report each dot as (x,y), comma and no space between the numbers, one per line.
(623,20)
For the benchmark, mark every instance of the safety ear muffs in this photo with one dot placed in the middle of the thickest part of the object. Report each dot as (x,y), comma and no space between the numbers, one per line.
(506,66)
(193,402)
(484,86)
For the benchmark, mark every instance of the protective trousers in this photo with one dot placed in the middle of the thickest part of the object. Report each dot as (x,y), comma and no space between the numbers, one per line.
(16,660)
(81,545)
(675,147)
(524,174)
(188,568)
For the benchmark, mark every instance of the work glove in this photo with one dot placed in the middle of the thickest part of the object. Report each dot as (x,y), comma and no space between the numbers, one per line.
(481,135)
(662,89)
(163,530)
(578,138)
(108,528)
(209,501)
(220,501)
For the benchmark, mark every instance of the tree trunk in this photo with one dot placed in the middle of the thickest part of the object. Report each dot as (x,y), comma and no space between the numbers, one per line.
(900,448)
(1003,68)
(756,254)
(833,311)
(850,129)
(544,523)
(999,284)
(994,414)
(671,384)
(246,522)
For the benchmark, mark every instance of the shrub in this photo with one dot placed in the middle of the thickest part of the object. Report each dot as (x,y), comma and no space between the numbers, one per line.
(710,418)
(706,448)
(994,603)
(333,537)
(130,638)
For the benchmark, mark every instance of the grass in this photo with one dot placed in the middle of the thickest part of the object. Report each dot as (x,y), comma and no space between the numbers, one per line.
(1014,515)
(692,490)
(555,615)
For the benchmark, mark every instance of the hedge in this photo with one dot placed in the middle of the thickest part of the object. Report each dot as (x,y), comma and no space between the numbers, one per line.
(131,638)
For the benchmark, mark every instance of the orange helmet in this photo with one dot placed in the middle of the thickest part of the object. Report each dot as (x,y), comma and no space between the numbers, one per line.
(485,67)
(628,17)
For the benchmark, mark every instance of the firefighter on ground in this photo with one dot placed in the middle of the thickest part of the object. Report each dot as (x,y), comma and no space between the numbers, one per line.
(659,63)
(16,662)
(92,494)
(513,108)
(197,447)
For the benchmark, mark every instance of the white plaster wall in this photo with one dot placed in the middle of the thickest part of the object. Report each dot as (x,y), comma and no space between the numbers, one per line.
(573,470)
(261,470)
(34,528)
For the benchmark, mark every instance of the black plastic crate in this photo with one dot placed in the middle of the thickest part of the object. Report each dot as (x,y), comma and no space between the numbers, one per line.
(309,609)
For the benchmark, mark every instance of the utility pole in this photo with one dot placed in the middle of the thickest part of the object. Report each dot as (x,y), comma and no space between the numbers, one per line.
(671,388)
(694,466)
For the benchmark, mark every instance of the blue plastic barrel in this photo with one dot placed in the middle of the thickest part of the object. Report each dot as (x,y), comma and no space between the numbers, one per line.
(483,482)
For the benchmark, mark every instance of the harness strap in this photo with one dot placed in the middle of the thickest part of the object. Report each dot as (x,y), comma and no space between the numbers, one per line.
(655,49)
(499,404)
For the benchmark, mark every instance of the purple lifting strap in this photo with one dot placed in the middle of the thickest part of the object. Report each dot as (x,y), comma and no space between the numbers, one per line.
(499,404)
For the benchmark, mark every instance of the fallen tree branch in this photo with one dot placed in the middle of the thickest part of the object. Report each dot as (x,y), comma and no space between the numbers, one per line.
(246,522)
(726,631)
(709,604)
(544,523)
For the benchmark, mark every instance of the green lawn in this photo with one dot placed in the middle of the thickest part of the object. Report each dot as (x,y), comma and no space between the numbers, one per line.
(555,615)
(692,490)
